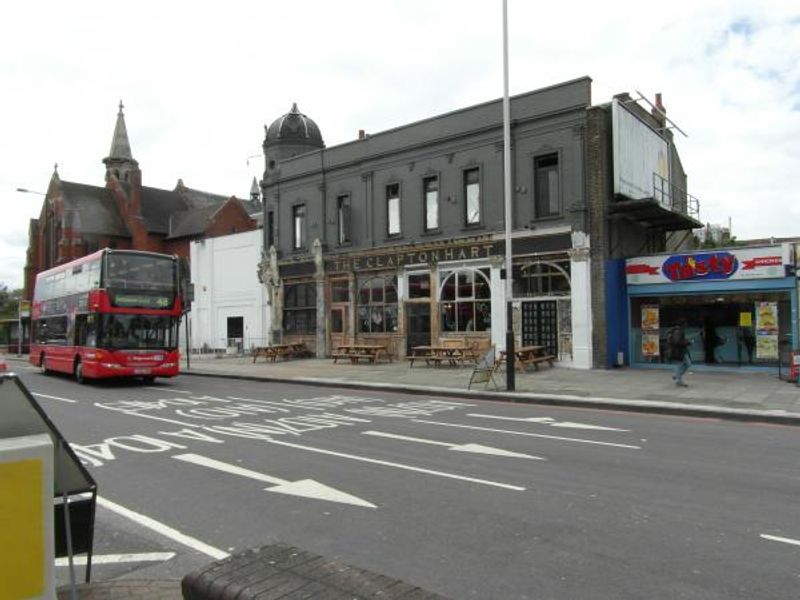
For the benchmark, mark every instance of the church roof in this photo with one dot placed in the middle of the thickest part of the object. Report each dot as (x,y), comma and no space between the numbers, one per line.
(92,210)
(191,222)
(158,206)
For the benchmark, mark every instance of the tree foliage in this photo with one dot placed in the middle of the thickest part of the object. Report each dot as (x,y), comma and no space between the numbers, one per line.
(9,300)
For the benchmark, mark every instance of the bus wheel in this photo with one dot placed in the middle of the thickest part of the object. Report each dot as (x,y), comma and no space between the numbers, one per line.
(149,379)
(79,372)
(43,364)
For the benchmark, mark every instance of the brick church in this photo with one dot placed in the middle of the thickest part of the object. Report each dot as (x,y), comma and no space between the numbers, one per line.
(78,219)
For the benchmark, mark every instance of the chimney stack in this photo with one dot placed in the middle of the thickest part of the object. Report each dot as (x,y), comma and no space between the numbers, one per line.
(659,112)
(362,135)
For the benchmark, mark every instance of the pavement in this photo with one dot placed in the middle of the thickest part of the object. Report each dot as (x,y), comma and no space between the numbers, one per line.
(726,394)
(731,393)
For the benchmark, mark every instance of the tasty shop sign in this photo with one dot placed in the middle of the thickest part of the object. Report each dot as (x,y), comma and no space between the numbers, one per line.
(749,263)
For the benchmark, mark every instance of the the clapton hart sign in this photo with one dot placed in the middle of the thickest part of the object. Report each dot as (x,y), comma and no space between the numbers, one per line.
(392,259)
(748,263)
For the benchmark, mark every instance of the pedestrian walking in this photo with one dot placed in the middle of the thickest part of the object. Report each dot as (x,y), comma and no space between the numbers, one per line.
(679,351)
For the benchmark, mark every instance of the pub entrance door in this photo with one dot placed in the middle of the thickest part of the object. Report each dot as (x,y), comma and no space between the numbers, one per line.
(339,327)
(540,325)
(418,325)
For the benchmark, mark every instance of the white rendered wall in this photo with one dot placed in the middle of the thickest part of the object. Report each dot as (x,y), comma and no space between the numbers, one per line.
(581,310)
(226,285)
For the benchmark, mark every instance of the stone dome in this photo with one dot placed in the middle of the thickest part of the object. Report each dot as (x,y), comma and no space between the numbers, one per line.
(294,128)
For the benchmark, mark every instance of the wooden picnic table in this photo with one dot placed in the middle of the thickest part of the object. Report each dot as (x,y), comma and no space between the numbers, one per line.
(355,352)
(436,355)
(282,351)
(525,356)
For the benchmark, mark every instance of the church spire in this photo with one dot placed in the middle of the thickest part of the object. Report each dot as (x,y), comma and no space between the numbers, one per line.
(119,161)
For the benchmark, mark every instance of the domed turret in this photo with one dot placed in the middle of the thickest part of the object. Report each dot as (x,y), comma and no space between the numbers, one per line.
(294,128)
(292,134)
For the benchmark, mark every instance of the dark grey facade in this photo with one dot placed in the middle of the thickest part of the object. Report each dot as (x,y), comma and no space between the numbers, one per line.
(428,198)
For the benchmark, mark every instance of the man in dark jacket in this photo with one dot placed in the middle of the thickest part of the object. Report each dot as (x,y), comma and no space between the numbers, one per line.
(679,351)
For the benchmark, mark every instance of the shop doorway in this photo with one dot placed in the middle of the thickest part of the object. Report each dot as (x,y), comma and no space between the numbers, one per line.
(540,325)
(418,324)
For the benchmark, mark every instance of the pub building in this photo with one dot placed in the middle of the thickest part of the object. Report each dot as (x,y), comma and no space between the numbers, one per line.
(738,305)
(398,237)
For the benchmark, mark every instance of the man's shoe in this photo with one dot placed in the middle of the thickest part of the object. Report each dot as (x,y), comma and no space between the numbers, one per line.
(681,384)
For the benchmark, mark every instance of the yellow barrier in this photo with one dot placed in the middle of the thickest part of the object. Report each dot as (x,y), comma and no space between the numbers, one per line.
(26,518)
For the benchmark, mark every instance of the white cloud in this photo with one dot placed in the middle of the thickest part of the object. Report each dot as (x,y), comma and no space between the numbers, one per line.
(200,79)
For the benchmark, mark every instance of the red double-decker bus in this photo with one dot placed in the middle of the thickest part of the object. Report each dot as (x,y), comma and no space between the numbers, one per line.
(114,313)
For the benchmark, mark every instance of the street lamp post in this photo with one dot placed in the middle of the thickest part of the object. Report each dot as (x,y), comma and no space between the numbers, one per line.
(510,356)
(19,301)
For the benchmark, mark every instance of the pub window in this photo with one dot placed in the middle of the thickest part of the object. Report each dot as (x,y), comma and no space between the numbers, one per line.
(546,186)
(393,209)
(343,218)
(466,300)
(299,227)
(472,195)
(542,279)
(300,308)
(377,305)
(340,290)
(419,285)
(430,187)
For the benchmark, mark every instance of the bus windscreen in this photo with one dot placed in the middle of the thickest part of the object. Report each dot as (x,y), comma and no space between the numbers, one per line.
(139,272)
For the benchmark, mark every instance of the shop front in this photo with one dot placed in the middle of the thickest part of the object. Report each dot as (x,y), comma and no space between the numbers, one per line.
(411,296)
(738,306)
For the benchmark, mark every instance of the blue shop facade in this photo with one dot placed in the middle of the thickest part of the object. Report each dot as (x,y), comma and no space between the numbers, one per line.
(739,306)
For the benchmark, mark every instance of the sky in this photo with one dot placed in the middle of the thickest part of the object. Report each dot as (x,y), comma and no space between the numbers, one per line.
(199,80)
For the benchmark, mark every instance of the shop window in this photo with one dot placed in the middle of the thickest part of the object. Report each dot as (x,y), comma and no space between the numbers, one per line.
(340,290)
(430,188)
(472,195)
(393,209)
(542,279)
(746,328)
(299,227)
(343,218)
(377,305)
(546,186)
(300,308)
(419,285)
(465,299)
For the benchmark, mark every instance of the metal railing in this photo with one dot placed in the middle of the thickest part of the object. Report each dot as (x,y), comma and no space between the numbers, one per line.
(674,198)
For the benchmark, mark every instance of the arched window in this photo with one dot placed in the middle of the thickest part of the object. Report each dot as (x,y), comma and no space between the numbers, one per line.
(377,305)
(465,300)
(543,279)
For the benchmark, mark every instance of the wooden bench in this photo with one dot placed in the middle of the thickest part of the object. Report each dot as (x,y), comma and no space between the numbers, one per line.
(549,358)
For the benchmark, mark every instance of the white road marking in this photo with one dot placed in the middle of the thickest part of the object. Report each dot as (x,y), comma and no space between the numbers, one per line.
(54,398)
(548,421)
(525,433)
(166,389)
(474,448)
(306,488)
(110,559)
(775,538)
(162,529)
(399,466)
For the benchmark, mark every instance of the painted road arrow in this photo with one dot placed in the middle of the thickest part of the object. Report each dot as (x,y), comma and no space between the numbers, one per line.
(474,448)
(548,421)
(306,488)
